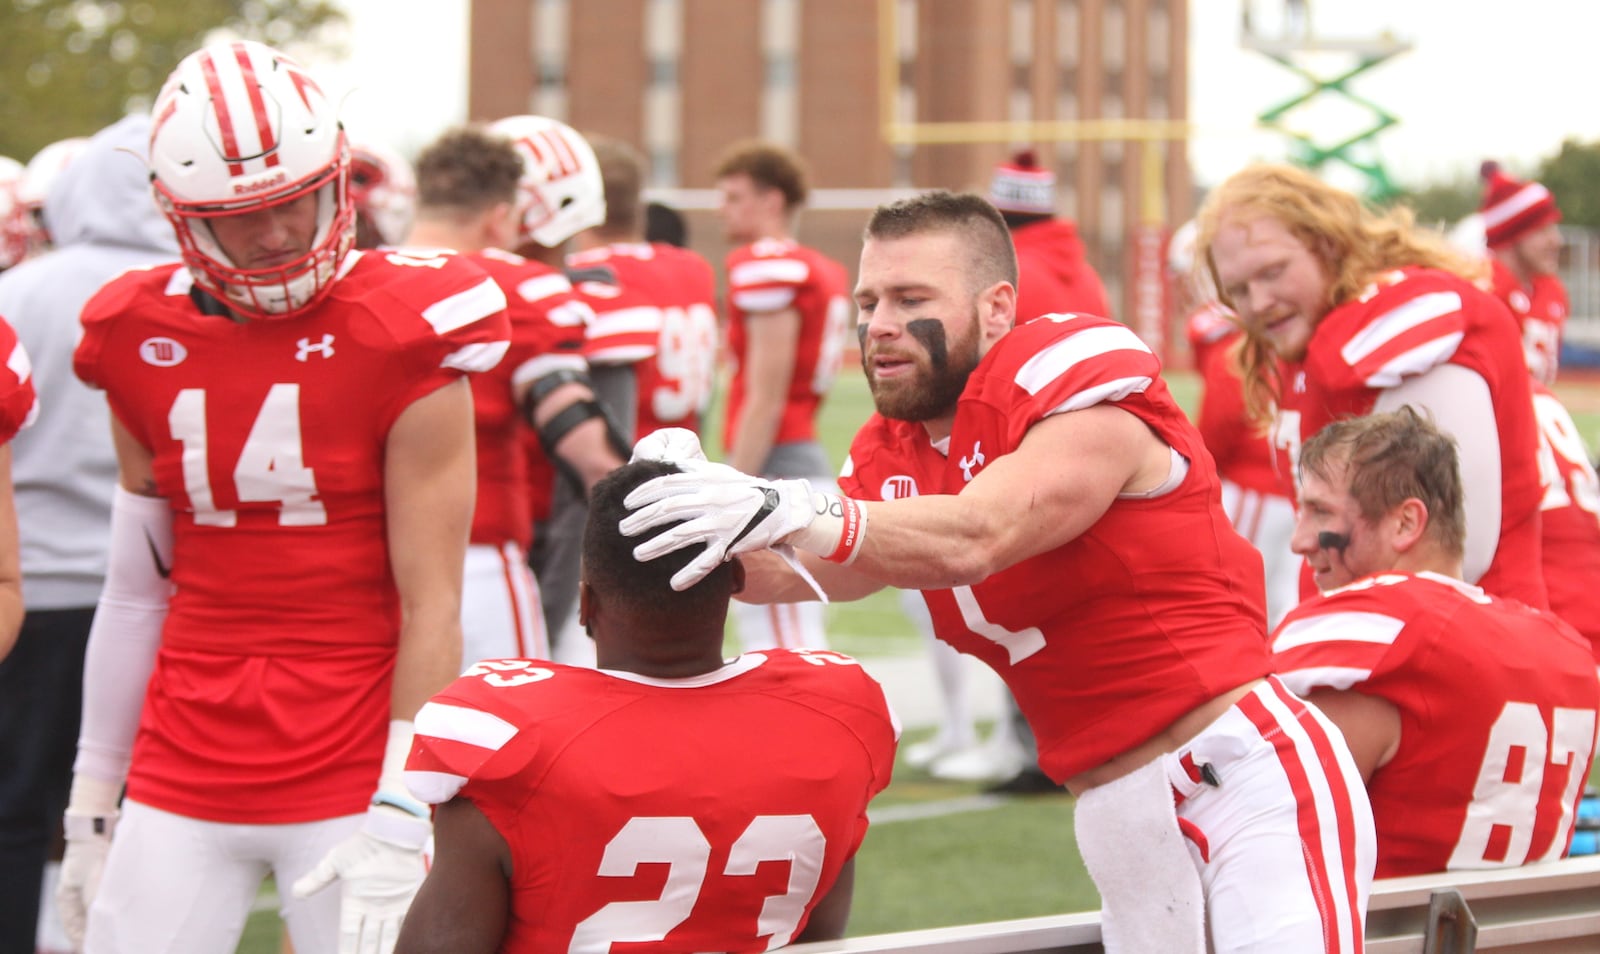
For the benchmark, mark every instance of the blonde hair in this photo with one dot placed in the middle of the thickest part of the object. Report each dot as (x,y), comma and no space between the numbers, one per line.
(1353,242)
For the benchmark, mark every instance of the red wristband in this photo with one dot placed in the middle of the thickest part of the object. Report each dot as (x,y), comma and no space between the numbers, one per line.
(852,530)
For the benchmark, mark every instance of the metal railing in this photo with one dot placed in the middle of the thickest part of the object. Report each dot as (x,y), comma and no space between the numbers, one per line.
(1550,908)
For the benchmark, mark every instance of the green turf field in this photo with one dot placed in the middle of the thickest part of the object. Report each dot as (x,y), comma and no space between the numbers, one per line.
(937,854)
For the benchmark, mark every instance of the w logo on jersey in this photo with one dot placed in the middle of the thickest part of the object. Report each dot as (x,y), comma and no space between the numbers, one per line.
(162,352)
(898,487)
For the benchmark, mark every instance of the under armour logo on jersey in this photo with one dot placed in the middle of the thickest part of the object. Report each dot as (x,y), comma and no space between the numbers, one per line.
(308,348)
(1299,382)
(898,487)
(976,460)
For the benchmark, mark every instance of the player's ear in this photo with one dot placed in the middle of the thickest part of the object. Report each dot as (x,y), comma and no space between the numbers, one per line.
(997,310)
(1410,524)
(738,576)
(585,603)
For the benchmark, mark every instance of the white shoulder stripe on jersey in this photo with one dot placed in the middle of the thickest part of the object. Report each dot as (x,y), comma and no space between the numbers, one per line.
(764,299)
(440,720)
(476,358)
(760,271)
(1338,628)
(623,321)
(17,362)
(1101,393)
(537,367)
(178,283)
(621,354)
(537,289)
(435,788)
(1303,682)
(1424,357)
(463,308)
(1063,355)
(1397,321)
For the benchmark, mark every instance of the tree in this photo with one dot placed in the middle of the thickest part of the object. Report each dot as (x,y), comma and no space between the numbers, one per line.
(70,67)
(1441,205)
(1573,176)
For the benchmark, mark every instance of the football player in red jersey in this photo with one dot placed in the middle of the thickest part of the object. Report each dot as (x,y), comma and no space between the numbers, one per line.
(787,321)
(1068,530)
(653,336)
(294,440)
(468,185)
(1523,239)
(1472,718)
(748,779)
(1348,311)
(17,410)
(561,194)
(1252,494)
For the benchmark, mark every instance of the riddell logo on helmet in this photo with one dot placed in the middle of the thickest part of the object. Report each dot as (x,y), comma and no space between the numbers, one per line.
(247,188)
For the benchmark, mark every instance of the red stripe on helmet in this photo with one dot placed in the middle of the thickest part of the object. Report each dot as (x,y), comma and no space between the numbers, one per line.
(258,105)
(219,104)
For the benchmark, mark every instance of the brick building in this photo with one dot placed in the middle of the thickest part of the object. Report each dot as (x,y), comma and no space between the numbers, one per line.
(892,94)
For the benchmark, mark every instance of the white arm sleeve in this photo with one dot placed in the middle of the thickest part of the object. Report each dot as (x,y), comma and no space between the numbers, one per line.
(125,635)
(1457,400)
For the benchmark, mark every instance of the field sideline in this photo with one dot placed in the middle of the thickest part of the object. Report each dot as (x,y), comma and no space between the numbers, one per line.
(938,853)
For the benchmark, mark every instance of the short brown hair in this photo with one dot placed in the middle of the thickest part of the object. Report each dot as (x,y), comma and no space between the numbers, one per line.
(467,170)
(769,166)
(992,257)
(1389,459)
(622,170)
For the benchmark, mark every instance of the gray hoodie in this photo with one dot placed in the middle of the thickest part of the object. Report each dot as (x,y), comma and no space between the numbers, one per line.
(104,222)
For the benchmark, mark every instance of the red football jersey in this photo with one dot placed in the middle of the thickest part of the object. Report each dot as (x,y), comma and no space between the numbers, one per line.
(18,403)
(548,323)
(1497,715)
(655,308)
(773,275)
(1541,313)
(1154,610)
(1408,322)
(270,697)
(1570,516)
(1242,452)
(700,814)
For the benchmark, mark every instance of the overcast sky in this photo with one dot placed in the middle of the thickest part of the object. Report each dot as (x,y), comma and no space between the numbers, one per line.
(1509,81)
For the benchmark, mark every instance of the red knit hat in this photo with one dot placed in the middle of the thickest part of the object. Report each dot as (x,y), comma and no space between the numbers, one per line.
(1511,208)
(1021,185)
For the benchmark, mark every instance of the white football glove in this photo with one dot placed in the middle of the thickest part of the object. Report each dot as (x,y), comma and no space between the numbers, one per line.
(88,843)
(668,444)
(379,869)
(727,510)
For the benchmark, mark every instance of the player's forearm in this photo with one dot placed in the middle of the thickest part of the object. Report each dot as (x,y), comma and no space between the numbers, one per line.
(428,659)
(756,432)
(587,449)
(10,615)
(768,579)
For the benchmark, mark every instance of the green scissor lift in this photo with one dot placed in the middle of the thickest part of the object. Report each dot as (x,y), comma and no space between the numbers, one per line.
(1357,151)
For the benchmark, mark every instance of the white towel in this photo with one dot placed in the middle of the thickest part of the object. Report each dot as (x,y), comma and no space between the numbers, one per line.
(1151,899)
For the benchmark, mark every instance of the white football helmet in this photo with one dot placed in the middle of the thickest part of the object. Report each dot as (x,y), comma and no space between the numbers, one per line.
(13,220)
(41,172)
(562,192)
(383,187)
(240,127)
